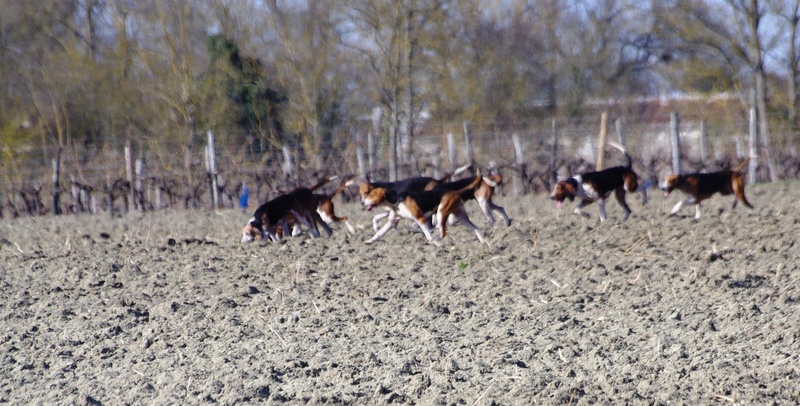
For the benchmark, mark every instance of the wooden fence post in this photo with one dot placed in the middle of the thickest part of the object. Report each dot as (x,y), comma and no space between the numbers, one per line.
(212,170)
(676,142)
(288,165)
(553,155)
(158,196)
(703,141)
(370,151)
(751,170)
(76,195)
(56,180)
(362,169)
(601,148)
(451,150)
(519,159)
(468,142)
(620,135)
(139,173)
(129,176)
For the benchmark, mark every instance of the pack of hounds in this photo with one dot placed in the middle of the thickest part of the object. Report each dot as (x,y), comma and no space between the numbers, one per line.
(432,203)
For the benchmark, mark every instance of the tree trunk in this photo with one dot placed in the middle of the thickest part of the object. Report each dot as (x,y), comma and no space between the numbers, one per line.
(676,142)
(601,147)
(761,103)
(794,20)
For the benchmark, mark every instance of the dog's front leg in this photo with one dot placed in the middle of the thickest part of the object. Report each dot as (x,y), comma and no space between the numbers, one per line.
(602,204)
(423,224)
(377,219)
(697,210)
(393,219)
(579,208)
(688,200)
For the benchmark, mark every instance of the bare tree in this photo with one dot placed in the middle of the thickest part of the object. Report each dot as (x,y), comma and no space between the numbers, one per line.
(703,27)
(789,12)
(308,66)
(175,33)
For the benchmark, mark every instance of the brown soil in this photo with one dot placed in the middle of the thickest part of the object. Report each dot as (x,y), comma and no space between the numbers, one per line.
(168,308)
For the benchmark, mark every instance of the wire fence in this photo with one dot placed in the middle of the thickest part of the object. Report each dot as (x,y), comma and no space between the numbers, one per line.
(150,175)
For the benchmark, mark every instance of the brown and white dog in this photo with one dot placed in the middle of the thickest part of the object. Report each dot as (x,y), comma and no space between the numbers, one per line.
(325,207)
(482,194)
(299,204)
(416,184)
(419,205)
(701,186)
(597,186)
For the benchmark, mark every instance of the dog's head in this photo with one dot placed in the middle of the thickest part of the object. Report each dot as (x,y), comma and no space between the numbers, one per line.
(630,181)
(671,182)
(564,189)
(375,197)
(252,231)
(364,189)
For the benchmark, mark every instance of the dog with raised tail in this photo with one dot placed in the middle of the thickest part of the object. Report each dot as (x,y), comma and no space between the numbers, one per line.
(409,185)
(482,194)
(325,207)
(701,186)
(597,186)
(419,205)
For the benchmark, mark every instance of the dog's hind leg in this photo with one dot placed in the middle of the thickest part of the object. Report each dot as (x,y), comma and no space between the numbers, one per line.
(461,215)
(322,223)
(502,212)
(738,193)
(486,208)
(350,227)
(310,223)
(620,195)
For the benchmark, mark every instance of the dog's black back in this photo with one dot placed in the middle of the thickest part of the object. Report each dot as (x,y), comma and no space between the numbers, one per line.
(405,185)
(461,184)
(606,180)
(273,211)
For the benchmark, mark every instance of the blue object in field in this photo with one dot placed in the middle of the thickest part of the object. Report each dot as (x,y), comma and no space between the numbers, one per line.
(244,197)
(648,184)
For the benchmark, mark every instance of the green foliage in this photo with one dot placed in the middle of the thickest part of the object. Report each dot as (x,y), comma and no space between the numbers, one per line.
(255,105)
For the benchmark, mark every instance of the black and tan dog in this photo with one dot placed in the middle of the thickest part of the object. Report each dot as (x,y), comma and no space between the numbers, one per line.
(597,186)
(701,186)
(419,205)
(482,194)
(409,185)
(300,204)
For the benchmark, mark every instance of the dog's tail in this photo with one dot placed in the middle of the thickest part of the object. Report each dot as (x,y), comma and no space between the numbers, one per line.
(322,183)
(629,163)
(472,185)
(493,180)
(741,167)
(343,187)
(454,173)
